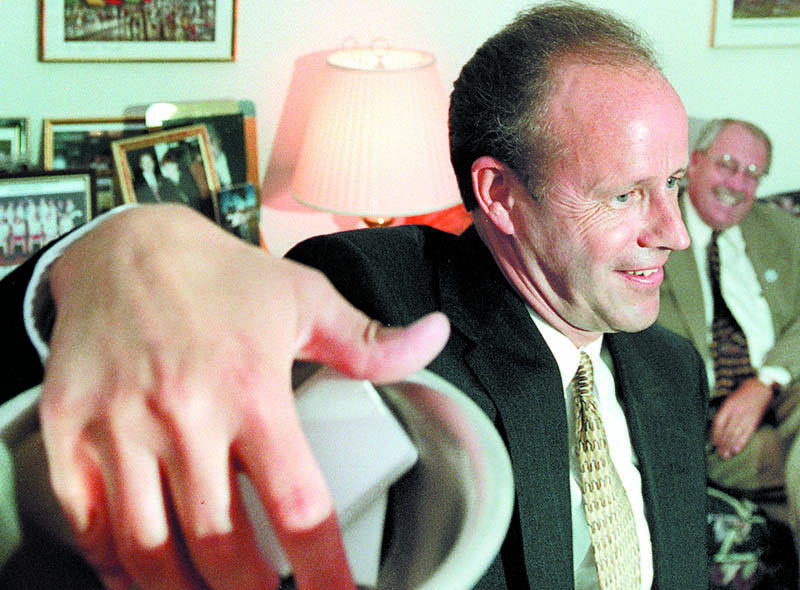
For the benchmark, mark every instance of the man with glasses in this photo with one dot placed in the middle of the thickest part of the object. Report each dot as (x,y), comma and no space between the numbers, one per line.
(745,321)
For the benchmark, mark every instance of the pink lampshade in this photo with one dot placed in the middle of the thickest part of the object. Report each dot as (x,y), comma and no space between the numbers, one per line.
(376,142)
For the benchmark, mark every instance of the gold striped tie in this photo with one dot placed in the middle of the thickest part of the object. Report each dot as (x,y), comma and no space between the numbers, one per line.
(729,350)
(608,510)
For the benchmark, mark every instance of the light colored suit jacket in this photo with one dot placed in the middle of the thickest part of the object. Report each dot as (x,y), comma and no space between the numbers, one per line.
(772,242)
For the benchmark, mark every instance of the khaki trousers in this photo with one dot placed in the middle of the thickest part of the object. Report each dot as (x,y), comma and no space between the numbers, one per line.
(769,455)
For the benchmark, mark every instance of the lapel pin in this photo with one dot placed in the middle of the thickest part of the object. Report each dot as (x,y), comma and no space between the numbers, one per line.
(771,275)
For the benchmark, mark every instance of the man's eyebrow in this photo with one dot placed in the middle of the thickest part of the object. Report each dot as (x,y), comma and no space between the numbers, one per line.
(683,171)
(679,172)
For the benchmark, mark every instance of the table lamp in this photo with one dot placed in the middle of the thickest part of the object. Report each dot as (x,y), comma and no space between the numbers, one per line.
(376,142)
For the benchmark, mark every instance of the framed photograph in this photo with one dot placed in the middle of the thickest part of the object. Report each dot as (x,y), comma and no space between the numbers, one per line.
(37,207)
(237,210)
(231,128)
(14,142)
(138,30)
(173,166)
(762,23)
(86,143)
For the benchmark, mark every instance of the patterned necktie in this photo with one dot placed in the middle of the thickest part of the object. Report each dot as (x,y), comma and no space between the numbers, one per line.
(608,510)
(729,350)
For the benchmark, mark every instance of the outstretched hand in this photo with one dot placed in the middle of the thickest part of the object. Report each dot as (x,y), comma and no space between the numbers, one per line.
(169,370)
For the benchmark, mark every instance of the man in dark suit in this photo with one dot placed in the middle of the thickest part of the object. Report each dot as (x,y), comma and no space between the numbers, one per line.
(756,418)
(497,355)
(568,144)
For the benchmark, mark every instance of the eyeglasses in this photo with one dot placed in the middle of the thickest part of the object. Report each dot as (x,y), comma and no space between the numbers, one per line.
(730,166)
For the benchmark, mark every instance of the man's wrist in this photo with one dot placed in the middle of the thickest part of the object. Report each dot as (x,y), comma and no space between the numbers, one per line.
(38,307)
(776,378)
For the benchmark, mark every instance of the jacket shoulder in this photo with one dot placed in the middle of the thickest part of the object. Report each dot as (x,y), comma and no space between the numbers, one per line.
(388,273)
(783,227)
(663,351)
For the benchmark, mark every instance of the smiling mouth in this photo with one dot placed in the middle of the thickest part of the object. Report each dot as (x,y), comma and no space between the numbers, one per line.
(642,273)
(728,197)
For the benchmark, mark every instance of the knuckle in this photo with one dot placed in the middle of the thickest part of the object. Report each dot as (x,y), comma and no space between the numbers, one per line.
(300,509)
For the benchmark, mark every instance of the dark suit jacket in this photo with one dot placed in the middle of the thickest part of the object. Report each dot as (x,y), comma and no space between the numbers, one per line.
(497,356)
(20,365)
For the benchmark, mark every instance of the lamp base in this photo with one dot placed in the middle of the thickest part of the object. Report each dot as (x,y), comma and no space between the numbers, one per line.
(378,221)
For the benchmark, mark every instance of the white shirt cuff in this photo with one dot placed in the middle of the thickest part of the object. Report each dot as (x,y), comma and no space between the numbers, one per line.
(771,375)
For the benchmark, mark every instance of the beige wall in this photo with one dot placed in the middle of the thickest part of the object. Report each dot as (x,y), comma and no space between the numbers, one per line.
(759,84)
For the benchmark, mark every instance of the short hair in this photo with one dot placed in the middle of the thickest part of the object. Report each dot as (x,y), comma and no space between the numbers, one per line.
(173,154)
(708,135)
(500,100)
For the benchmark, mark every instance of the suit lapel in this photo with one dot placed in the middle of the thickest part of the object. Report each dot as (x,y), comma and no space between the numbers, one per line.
(683,286)
(771,265)
(660,444)
(510,360)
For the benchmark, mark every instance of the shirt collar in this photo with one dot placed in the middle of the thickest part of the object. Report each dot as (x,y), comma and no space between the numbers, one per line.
(700,233)
(567,355)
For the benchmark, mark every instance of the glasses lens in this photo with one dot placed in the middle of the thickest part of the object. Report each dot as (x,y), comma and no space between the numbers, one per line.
(727,165)
(730,166)
(753,173)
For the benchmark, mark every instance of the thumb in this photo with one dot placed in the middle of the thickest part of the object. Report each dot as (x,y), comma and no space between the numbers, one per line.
(359,347)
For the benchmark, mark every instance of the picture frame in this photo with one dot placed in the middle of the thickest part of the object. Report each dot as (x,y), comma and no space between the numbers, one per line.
(38,206)
(237,210)
(232,122)
(167,166)
(14,141)
(86,143)
(130,30)
(767,23)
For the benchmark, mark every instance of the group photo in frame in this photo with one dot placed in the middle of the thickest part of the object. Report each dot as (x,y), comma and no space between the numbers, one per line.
(172,166)
(755,23)
(37,207)
(86,143)
(132,30)
(14,141)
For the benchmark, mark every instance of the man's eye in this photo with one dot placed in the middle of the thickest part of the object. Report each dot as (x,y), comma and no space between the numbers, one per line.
(622,198)
(672,182)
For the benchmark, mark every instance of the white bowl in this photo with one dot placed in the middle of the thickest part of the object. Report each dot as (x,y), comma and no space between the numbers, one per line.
(449,515)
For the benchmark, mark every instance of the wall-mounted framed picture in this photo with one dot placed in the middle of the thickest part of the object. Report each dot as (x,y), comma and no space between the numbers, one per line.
(14,141)
(38,206)
(137,30)
(755,23)
(86,143)
(173,166)
(237,210)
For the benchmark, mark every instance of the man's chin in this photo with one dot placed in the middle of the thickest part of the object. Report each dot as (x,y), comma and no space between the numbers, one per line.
(636,322)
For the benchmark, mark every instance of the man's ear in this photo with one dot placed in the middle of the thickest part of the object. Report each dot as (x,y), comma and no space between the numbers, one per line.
(492,183)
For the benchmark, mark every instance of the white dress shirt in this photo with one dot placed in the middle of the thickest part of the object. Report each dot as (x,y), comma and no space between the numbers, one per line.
(741,291)
(619,443)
